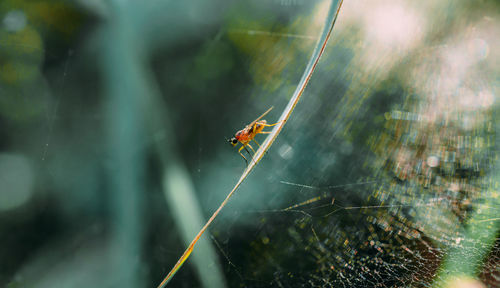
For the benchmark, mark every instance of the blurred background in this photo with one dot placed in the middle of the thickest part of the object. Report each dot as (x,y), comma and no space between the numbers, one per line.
(114,117)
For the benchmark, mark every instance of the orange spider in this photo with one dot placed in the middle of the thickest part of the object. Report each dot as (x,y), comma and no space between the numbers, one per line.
(247,134)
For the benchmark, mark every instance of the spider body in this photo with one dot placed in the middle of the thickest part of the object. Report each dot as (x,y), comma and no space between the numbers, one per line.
(247,134)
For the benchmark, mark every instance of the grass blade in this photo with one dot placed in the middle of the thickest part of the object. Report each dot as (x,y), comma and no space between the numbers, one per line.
(320,47)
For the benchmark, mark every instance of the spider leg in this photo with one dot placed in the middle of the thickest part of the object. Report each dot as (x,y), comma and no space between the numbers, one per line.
(250,148)
(249,152)
(239,151)
(258,142)
(271,125)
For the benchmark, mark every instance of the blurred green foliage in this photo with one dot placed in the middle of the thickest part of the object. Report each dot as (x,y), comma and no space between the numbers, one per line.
(394,142)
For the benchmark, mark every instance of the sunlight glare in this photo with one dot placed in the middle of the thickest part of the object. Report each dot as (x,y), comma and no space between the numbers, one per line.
(393,25)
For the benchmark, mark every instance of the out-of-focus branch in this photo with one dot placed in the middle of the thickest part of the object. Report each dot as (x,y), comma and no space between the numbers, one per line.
(123,85)
(135,103)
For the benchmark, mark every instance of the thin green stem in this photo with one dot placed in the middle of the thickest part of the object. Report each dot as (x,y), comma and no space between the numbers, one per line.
(318,51)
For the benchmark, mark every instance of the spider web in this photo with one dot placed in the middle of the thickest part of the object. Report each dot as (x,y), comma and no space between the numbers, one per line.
(414,132)
(384,176)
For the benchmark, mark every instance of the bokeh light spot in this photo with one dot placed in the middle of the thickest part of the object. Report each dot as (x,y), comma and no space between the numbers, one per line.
(14,21)
(16,180)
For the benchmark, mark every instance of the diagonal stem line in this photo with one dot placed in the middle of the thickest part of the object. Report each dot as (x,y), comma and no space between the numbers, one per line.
(318,51)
